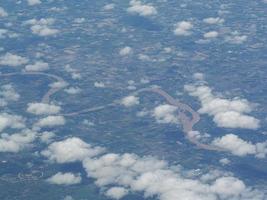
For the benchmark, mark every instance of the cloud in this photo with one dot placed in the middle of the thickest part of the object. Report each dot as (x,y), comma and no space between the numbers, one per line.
(166,114)
(33,2)
(211,34)
(225,161)
(3,13)
(12,60)
(16,142)
(65,179)
(125,51)
(7,94)
(58,84)
(120,174)
(37,66)
(116,192)
(47,136)
(137,7)
(130,101)
(73,90)
(43,109)
(213,20)
(110,6)
(50,121)
(236,38)
(183,28)
(99,84)
(41,27)
(70,150)
(232,143)
(228,113)
(11,121)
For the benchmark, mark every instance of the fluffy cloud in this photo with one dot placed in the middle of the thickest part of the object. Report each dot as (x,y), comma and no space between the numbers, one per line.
(41,27)
(213,20)
(16,142)
(116,192)
(50,121)
(130,101)
(73,90)
(125,51)
(3,13)
(7,94)
(11,121)
(43,109)
(236,38)
(232,143)
(38,66)
(166,114)
(118,174)
(58,84)
(99,84)
(70,150)
(12,60)
(183,28)
(137,7)
(65,179)
(33,2)
(211,34)
(110,6)
(226,113)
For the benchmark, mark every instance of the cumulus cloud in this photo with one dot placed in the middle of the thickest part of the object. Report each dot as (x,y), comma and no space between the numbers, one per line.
(70,150)
(58,84)
(166,114)
(99,84)
(43,109)
(110,6)
(12,60)
(120,174)
(125,51)
(42,27)
(7,94)
(237,146)
(130,101)
(3,13)
(183,28)
(211,34)
(33,2)
(11,121)
(16,142)
(50,121)
(236,38)
(65,179)
(213,20)
(137,7)
(37,66)
(73,90)
(228,113)
(116,192)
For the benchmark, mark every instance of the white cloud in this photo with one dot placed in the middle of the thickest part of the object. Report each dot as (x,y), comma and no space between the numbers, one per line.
(73,90)
(130,101)
(183,28)
(41,27)
(65,179)
(37,66)
(33,2)
(228,113)
(43,109)
(51,121)
(213,20)
(47,136)
(70,150)
(120,174)
(3,13)
(166,114)
(116,192)
(110,6)
(58,84)
(7,94)
(12,60)
(211,34)
(99,84)
(236,38)
(137,7)
(225,161)
(11,121)
(125,51)
(16,142)
(237,146)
